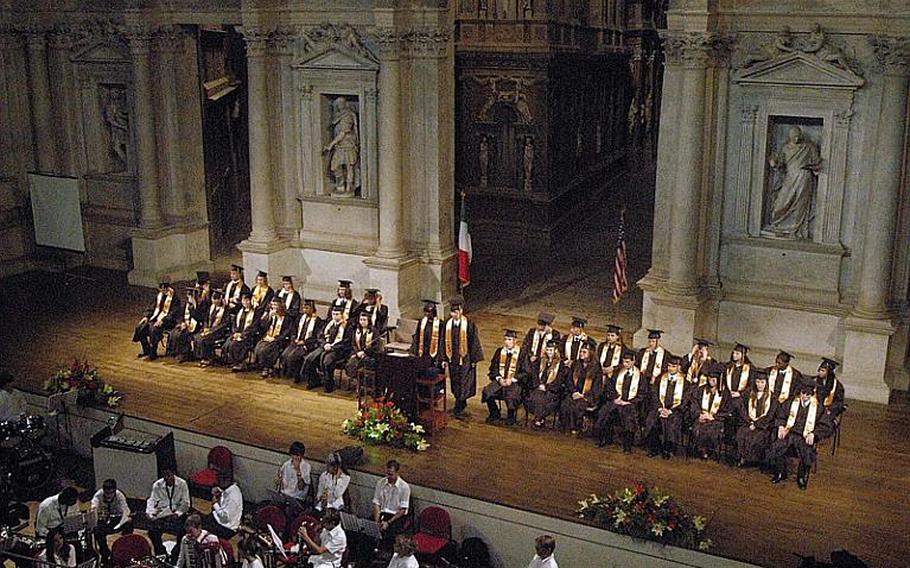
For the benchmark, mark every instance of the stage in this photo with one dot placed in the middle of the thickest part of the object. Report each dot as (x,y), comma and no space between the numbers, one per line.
(856,501)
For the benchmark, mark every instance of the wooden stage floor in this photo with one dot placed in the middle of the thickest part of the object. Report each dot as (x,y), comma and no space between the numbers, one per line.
(858,499)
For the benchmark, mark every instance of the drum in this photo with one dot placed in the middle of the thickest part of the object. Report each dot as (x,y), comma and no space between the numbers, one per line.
(9,434)
(32,467)
(31,427)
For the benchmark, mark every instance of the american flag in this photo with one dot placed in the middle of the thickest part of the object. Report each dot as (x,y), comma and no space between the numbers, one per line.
(620,278)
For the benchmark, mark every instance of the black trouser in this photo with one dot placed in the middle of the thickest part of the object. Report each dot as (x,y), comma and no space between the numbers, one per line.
(106,528)
(171,525)
(210,524)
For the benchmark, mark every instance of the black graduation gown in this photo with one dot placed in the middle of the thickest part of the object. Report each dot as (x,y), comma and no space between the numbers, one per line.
(607,354)
(794,438)
(267,351)
(319,357)
(570,348)
(708,435)
(180,340)
(216,327)
(511,394)
(776,385)
(232,293)
(572,411)
(529,355)
(370,342)
(304,339)
(555,380)
(265,296)
(626,413)
(753,437)
(291,301)
(245,325)
(147,333)
(462,371)
(348,309)
(667,430)
(421,343)
(830,392)
(649,370)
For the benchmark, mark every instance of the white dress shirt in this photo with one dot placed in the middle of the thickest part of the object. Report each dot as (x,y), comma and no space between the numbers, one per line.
(335,542)
(403,562)
(12,404)
(165,501)
(51,514)
(548,562)
(254,563)
(228,510)
(67,557)
(289,479)
(333,488)
(392,497)
(117,508)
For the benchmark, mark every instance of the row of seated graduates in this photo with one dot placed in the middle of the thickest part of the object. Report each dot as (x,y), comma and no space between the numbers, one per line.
(281,332)
(659,397)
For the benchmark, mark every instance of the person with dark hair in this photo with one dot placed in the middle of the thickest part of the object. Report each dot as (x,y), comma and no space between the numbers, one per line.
(54,509)
(304,339)
(427,341)
(366,343)
(113,516)
(379,312)
(738,372)
(234,290)
(544,546)
(549,383)
(828,389)
(584,388)
(293,479)
(227,509)
(166,509)
(801,424)
(666,418)
(159,318)
(709,408)
(249,552)
(202,542)
(180,340)
(404,550)
(57,552)
(289,297)
(277,327)
(344,301)
(333,483)
(652,360)
(329,551)
(535,342)
(609,353)
(242,337)
(623,393)
(215,327)
(12,402)
(573,342)
(462,353)
(696,361)
(506,380)
(261,294)
(327,355)
(391,502)
(757,411)
(783,379)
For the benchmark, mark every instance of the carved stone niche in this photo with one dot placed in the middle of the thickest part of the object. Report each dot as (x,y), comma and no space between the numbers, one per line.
(335,67)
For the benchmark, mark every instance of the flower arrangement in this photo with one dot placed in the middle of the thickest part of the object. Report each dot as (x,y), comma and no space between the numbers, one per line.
(644,512)
(382,423)
(83,376)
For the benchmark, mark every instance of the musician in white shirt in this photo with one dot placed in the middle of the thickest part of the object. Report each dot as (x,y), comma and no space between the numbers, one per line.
(391,501)
(199,539)
(166,509)
(404,549)
(544,546)
(12,402)
(227,510)
(54,509)
(293,478)
(328,552)
(113,516)
(333,483)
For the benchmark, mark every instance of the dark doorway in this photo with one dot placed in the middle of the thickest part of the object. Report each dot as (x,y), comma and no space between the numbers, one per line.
(222,70)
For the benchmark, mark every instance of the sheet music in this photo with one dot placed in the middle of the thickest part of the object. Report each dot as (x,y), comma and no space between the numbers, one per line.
(276,540)
(353,523)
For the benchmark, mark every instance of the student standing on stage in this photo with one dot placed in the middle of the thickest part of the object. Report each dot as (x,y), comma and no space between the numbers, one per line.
(783,379)
(262,293)
(573,342)
(426,343)
(652,360)
(828,389)
(289,297)
(535,341)
(666,419)
(696,361)
(344,300)
(236,287)
(609,353)
(462,353)
(166,509)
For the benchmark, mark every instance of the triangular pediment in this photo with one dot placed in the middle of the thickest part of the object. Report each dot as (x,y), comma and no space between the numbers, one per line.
(800,69)
(334,58)
(103,52)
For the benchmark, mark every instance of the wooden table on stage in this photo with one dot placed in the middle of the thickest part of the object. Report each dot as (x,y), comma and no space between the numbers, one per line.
(421,396)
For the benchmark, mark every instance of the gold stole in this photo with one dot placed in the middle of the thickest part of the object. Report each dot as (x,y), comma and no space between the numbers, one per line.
(275,328)
(552,374)
(361,341)
(258,295)
(434,337)
(288,297)
(810,418)
(589,381)
(339,334)
(614,360)
(743,377)
(513,364)
(785,387)
(711,406)
(694,372)
(753,409)
(633,388)
(167,306)
(677,391)
(568,347)
(310,324)
(188,318)
(539,341)
(249,316)
(658,361)
(219,313)
(462,339)
(829,400)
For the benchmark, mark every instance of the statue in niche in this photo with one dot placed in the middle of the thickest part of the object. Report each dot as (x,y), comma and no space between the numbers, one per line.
(797,164)
(528,9)
(483,158)
(632,117)
(344,149)
(528,161)
(113,112)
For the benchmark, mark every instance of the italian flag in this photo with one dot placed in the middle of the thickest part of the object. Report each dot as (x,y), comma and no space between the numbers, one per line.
(464,247)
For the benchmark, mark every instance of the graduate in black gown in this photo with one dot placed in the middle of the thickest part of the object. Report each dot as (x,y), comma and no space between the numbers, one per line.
(624,392)
(667,416)
(801,424)
(757,411)
(709,408)
(366,344)
(585,388)
(245,329)
(327,354)
(304,339)
(427,341)
(234,289)
(506,377)
(829,390)
(289,297)
(215,327)
(277,328)
(548,384)
(462,352)
(180,339)
(161,317)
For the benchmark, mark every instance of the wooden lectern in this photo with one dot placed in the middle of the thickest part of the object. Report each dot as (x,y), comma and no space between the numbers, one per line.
(410,383)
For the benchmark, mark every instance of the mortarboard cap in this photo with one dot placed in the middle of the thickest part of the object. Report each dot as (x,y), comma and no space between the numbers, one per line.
(191,290)
(510,333)
(263,274)
(714,371)
(456,302)
(578,321)
(237,268)
(337,308)
(612,328)
(589,344)
(310,302)
(202,276)
(545,318)
(246,294)
(217,293)
(344,283)
(654,333)
(674,360)
(740,347)
(287,278)
(786,356)
(760,374)
(552,343)
(429,305)
(629,354)
(164,281)
(703,342)
(829,364)
(372,291)
(806,388)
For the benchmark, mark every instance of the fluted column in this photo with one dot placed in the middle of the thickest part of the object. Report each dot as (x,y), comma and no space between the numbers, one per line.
(166,43)
(61,41)
(40,96)
(260,146)
(390,190)
(893,54)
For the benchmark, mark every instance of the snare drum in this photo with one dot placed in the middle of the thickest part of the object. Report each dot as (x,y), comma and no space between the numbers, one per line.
(31,467)
(31,426)
(9,434)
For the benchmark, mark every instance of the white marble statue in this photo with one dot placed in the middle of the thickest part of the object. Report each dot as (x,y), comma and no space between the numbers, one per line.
(114,113)
(528,162)
(344,149)
(797,163)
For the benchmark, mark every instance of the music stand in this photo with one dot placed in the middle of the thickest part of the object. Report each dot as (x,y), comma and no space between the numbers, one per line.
(276,541)
(354,523)
(280,498)
(86,520)
(59,404)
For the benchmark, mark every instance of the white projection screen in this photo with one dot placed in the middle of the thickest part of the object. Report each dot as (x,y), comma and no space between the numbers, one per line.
(56,212)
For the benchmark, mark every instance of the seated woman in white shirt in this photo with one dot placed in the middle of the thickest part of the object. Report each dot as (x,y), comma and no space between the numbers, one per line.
(249,553)
(227,510)
(333,482)
(57,551)
(544,545)
(328,552)
(404,550)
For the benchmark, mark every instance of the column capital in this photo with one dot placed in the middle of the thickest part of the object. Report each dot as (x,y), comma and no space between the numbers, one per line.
(892,53)
(697,49)
(256,40)
(388,41)
(63,36)
(427,42)
(280,40)
(35,37)
(166,39)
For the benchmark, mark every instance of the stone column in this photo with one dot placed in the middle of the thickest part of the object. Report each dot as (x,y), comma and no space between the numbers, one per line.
(260,154)
(881,208)
(39,89)
(684,229)
(150,216)
(167,41)
(390,190)
(61,41)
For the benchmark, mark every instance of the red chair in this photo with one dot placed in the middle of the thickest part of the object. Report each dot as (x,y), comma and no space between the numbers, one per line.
(220,463)
(312,524)
(270,515)
(129,548)
(434,531)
